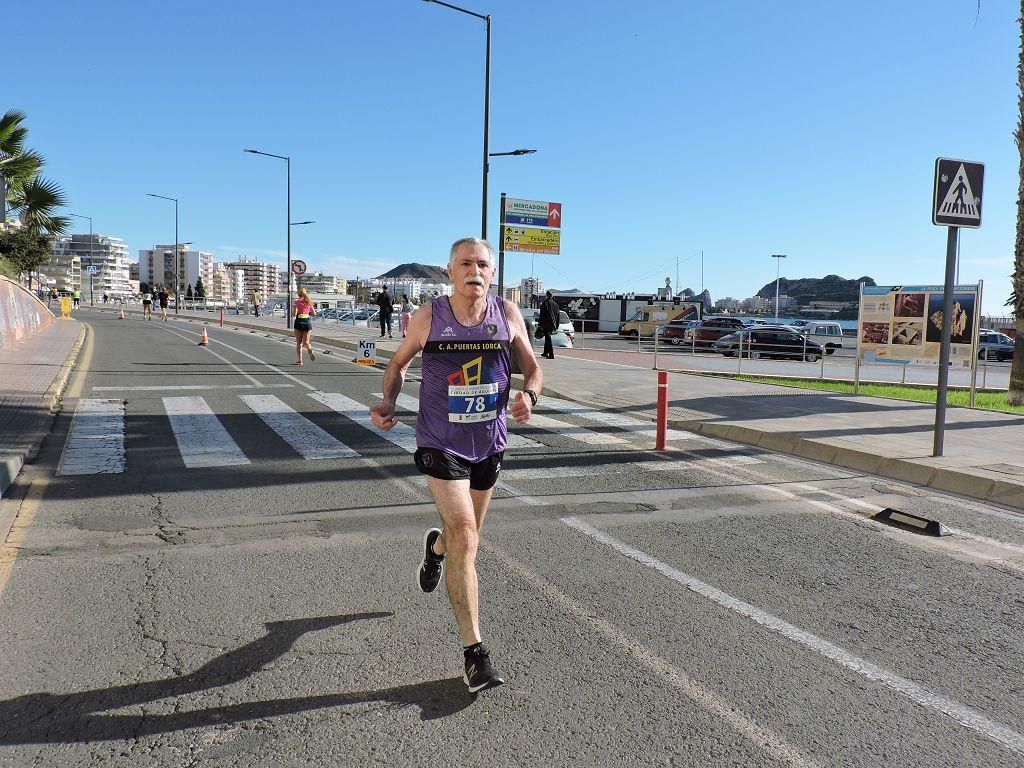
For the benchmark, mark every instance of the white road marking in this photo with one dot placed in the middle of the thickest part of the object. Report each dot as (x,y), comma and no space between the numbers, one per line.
(582,434)
(660,669)
(966,716)
(309,440)
(401,435)
(628,423)
(515,441)
(95,443)
(223,359)
(185,387)
(202,439)
(615,468)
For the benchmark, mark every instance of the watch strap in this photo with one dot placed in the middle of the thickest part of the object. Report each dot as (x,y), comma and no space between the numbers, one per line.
(533,396)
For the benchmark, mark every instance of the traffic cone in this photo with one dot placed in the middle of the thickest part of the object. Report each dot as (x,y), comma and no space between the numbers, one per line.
(122,314)
(204,341)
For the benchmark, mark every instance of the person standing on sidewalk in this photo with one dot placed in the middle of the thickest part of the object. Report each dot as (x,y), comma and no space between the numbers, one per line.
(387,309)
(76,298)
(548,322)
(164,298)
(407,310)
(467,341)
(303,326)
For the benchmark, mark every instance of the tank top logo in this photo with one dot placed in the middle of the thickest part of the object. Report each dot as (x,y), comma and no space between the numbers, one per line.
(492,329)
(448,331)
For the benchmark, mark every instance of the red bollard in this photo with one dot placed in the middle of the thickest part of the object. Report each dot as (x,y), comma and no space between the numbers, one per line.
(222,317)
(659,444)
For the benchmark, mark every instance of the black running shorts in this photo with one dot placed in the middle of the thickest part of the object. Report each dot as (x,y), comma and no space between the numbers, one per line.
(303,324)
(445,466)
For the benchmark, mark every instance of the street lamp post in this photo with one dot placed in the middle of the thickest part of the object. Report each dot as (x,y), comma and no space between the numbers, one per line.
(778,262)
(175,201)
(487,104)
(501,234)
(288,220)
(92,298)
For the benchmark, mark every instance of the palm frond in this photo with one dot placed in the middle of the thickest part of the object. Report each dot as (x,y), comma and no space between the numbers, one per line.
(21,167)
(12,132)
(37,202)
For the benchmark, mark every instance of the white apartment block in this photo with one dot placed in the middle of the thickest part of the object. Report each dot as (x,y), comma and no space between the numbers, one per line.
(755,304)
(256,276)
(63,272)
(108,254)
(728,303)
(317,282)
(156,267)
(531,286)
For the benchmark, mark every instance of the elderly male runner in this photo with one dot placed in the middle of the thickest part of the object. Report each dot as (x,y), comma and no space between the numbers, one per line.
(461,432)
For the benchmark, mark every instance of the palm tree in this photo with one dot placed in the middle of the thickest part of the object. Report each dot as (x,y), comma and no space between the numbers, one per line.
(1015,395)
(32,197)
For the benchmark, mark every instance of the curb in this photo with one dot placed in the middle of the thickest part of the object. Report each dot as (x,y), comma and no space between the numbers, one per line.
(10,466)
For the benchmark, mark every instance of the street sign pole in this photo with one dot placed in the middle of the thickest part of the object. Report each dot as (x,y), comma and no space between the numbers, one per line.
(952,237)
(501,249)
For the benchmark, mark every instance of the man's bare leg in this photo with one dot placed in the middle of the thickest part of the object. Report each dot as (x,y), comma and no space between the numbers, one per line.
(457,505)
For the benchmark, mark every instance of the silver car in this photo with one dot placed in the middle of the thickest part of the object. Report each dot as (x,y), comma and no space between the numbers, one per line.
(562,337)
(993,345)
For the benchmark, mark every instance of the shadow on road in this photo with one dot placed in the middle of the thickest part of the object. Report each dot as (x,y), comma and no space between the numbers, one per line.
(42,718)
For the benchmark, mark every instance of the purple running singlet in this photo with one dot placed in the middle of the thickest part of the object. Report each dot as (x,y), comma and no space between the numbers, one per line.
(465,381)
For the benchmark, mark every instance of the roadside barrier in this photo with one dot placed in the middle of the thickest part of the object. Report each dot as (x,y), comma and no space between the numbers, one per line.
(204,341)
(121,316)
(222,317)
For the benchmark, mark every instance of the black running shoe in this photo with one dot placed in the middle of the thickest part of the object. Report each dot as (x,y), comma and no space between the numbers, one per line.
(428,575)
(480,673)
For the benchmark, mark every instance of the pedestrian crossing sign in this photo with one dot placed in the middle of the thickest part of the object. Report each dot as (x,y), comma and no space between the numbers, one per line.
(956,201)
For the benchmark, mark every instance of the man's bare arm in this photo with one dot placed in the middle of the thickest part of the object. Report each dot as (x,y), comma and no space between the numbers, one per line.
(383,414)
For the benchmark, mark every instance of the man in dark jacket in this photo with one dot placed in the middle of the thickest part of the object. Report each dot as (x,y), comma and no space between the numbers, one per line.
(386,310)
(548,322)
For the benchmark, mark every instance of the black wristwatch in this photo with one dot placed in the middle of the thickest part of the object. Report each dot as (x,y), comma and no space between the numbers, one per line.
(533,396)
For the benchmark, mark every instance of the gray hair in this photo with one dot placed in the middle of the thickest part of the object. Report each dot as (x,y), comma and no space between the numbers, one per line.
(471,241)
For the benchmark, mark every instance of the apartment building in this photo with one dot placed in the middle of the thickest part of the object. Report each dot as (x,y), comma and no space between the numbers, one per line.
(108,254)
(256,276)
(63,272)
(156,267)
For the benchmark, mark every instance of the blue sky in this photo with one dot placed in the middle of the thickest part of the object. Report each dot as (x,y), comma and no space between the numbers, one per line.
(738,128)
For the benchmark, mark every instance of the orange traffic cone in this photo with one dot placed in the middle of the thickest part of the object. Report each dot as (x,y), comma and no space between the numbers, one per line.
(204,341)
(122,315)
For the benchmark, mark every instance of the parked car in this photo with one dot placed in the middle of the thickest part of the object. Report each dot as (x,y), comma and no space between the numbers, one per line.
(770,341)
(563,335)
(828,333)
(708,330)
(993,345)
(674,331)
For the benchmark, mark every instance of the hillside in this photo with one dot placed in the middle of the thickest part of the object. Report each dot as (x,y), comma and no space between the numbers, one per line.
(807,289)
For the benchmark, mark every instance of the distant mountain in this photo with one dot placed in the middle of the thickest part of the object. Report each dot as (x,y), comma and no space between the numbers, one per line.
(807,289)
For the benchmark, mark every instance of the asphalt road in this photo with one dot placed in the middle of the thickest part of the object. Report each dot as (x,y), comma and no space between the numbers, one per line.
(235,587)
(840,365)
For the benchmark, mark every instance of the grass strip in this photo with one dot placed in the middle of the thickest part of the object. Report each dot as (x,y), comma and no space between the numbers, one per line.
(992,401)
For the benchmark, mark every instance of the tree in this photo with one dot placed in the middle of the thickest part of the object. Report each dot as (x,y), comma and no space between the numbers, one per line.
(34,199)
(1015,395)
(188,291)
(25,248)
(200,288)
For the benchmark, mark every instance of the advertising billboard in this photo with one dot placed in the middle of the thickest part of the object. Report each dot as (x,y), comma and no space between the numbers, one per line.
(903,324)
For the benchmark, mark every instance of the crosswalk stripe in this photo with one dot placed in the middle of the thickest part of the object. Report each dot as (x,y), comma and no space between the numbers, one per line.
(628,423)
(622,467)
(96,440)
(401,435)
(309,440)
(202,439)
(575,432)
(515,441)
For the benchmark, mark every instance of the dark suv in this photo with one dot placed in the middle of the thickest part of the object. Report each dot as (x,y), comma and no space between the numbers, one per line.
(674,331)
(707,331)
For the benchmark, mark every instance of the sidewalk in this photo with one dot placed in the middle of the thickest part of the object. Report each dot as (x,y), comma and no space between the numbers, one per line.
(983,450)
(35,372)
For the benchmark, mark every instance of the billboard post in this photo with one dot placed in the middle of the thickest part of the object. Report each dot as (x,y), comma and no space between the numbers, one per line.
(947,334)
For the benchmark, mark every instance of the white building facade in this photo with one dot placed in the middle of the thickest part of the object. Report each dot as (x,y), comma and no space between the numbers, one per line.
(109,255)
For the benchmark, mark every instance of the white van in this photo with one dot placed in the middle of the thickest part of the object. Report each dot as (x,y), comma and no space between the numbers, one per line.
(828,333)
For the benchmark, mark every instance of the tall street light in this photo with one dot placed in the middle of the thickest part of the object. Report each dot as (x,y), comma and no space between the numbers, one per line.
(288,221)
(487,103)
(92,299)
(501,232)
(778,262)
(175,201)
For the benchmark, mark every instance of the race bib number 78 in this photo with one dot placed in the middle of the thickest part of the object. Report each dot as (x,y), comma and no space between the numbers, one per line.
(473,402)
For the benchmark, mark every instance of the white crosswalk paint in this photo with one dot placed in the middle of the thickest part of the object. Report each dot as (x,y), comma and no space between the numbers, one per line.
(202,439)
(619,468)
(515,441)
(96,440)
(575,432)
(628,423)
(401,435)
(309,440)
